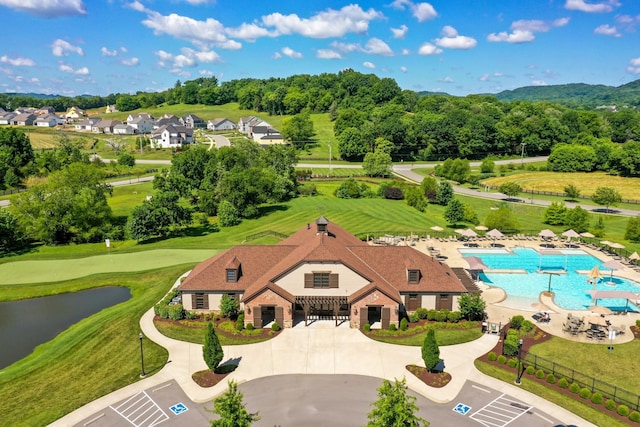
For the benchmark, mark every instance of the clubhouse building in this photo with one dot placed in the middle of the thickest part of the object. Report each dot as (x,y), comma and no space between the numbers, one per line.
(323,272)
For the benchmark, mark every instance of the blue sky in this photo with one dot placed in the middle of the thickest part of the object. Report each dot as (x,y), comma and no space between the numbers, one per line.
(73,47)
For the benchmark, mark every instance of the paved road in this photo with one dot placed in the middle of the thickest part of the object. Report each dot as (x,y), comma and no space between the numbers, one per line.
(317,400)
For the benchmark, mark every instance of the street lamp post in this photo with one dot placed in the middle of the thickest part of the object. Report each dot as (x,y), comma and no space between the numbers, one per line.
(142,373)
(520,367)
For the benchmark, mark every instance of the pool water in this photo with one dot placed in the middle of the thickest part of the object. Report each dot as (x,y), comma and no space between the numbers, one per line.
(570,288)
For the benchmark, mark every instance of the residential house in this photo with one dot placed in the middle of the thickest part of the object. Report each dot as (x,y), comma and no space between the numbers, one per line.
(167,119)
(323,272)
(49,120)
(105,126)
(24,119)
(266,135)
(86,125)
(142,123)
(170,136)
(246,123)
(43,111)
(147,116)
(221,124)
(111,109)
(194,122)
(25,110)
(6,118)
(123,129)
(75,113)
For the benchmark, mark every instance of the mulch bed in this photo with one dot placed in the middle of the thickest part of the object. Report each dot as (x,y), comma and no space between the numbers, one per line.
(432,379)
(202,324)
(539,337)
(210,378)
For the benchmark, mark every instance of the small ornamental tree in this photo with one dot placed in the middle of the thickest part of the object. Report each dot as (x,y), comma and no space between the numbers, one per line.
(471,306)
(572,192)
(231,410)
(606,196)
(445,193)
(212,350)
(454,212)
(394,408)
(510,189)
(229,306)
(430,350)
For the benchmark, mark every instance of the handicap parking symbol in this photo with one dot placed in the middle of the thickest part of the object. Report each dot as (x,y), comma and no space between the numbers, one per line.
(178,408)
(461,408)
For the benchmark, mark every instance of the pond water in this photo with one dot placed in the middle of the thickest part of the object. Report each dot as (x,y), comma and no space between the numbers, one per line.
(28,323)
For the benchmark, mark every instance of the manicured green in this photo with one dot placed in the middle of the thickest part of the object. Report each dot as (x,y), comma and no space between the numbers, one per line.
(95,356)
(195,334)
(443,336)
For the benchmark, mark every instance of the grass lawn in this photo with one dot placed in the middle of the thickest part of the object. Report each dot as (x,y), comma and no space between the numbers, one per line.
(443,337)
(41,271)
(95,356)
(195,333)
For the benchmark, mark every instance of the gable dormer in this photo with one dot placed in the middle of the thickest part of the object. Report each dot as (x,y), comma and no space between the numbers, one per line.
(233,270)
(322,225)
(413,275)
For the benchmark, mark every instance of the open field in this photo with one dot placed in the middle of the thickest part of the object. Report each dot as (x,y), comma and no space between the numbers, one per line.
(95,356)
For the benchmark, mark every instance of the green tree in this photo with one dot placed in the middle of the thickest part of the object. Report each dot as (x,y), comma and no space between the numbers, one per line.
(454,212)
(577,219)
(394,407)
(430,350)
(212,350)
(606,196)
(231,410)
(351,189)
(571,158)
(229,306)
(126,159)
(413,197)
(487,166)
(11,236)
(572,192)
(632,231)
(470,215)
(445,193)
(158,216)
(377,164)
(228,214)
(555,214)
(298,130)
(351,144)
(510,189)
(472,306)
(598,227)
(502,219)
(429,187)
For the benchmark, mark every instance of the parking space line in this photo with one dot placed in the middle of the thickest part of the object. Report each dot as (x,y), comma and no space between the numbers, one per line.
(500,412)
(141,411)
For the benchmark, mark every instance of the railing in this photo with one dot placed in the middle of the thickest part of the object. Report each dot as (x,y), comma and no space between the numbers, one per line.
(265,233)
(524,193)
(619,395)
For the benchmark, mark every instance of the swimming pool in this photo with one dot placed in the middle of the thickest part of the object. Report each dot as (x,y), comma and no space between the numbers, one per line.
(569,287)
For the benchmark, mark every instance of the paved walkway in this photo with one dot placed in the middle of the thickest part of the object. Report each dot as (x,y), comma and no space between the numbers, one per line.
(321,348)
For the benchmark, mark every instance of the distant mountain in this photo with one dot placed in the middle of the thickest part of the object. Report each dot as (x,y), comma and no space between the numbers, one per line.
(32,95)
(577,94)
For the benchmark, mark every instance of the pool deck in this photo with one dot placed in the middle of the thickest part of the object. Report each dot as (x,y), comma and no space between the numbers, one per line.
(499,313)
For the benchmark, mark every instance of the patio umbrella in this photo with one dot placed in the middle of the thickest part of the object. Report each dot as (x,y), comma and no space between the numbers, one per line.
(605,242)
(595,273)
(494,234)
(613,265)
(616,245)
(476,264)
(546,233)
(570,233)
(634,256)
(596,320)
(468,233)
(598,309)
(587,234)
(482,228)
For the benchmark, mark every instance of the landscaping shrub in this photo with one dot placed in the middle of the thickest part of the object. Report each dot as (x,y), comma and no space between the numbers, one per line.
(414,317)
(526,326)
(393,193)
(441,316)
(501,359)
(367,327)
(161,310)
(492,356)
(512,362)
(516,321)
(638,323)
(250,327)
(623,410)
(392,327)
(563,383)
(511,343)
(404,324)
(431,315)
(240,322)
(585,393)
(454,316)
(176,312)
(597,398)
(540,374)
(634,416)
(275,327)
(551,379)
(190,315)
(422,313)
(530,370)
(574,388)
(610,405)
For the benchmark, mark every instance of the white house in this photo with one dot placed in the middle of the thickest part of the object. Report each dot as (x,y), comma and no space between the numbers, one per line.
(170,136)
(123,129)
(49,121)
(6,118)
(221,124)
(167,119)
(141,124)
(86,125)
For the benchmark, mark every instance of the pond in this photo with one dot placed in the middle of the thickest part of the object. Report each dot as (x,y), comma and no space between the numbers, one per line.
(28,323)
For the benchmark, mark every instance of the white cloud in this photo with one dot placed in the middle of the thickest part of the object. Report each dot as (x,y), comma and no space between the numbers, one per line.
(447,79)
(327,54)
(485,77)
(188,58)
(17,62)
(378,47)
(47,8)
(406,52)
(287,51)
(523,30)
(346,47)
(422,11)
(598,7)
(403,69)
(276,55)
(62,48)
(452,40)
(368,64)
(429,49)
(68,69)
(607,30)
(538,83)
(634,66)
(399,33)
(130,62)
(107,52)
(205,73)
(249,32)
(329,23)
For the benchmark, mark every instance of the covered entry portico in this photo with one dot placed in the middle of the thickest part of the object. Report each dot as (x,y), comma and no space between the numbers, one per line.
(323,307)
